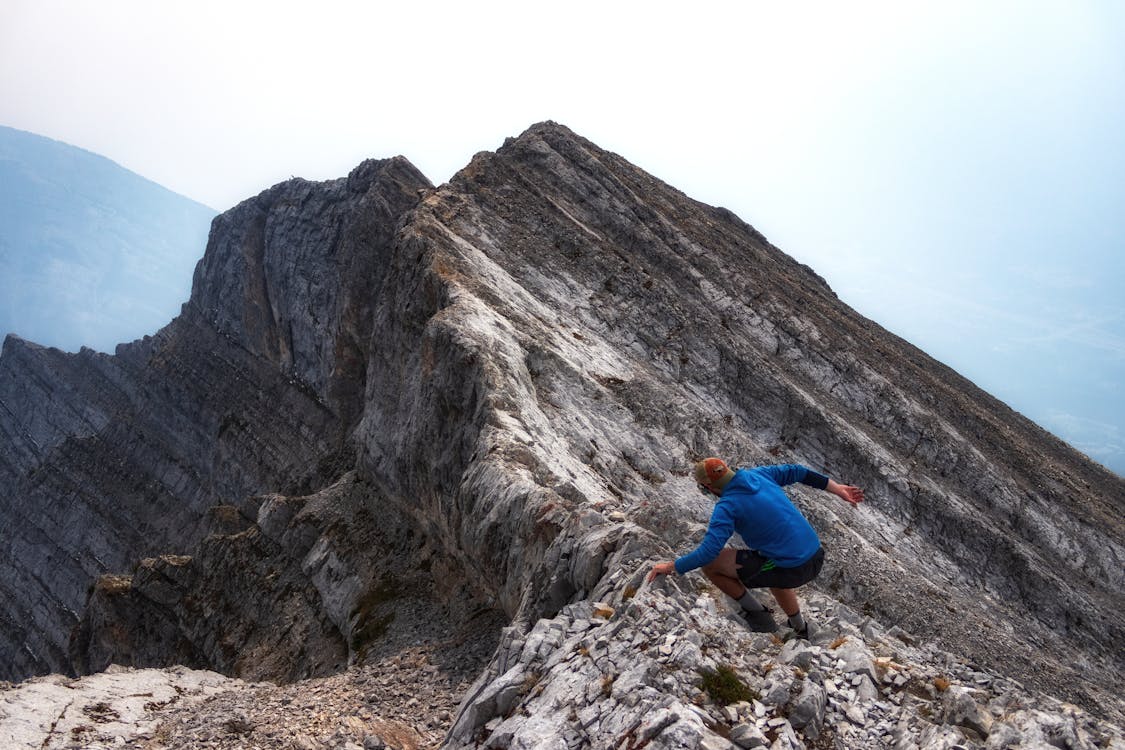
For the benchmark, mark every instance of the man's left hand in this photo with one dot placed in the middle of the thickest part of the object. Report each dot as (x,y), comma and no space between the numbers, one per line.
(846,492)
(661,569)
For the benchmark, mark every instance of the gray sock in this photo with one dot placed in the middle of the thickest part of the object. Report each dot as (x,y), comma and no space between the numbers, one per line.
(796,621)
(750,603)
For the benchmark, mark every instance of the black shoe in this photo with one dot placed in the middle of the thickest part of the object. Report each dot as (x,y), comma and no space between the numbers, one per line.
(805,633)
(760,621)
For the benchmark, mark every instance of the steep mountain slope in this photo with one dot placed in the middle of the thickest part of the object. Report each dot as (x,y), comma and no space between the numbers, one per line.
(498,386)
(615,329)
(91,254)
(111,458)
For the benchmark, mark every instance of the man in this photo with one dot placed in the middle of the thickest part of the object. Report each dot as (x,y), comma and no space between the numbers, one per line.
(785,550)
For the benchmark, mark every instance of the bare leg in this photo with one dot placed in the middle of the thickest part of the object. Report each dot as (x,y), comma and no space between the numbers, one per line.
(723,572)
(787,598)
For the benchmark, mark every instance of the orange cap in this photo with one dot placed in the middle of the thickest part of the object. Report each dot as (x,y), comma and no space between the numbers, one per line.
(710,470)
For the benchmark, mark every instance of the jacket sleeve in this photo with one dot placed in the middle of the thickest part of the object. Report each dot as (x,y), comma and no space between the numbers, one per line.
(719,530)
(785,474)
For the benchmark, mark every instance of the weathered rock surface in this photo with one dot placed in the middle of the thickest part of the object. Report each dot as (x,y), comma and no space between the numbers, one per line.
(108,459)
(493,391)
(575,680)
(101,711)
(299,593)
(404,698)
(635,678)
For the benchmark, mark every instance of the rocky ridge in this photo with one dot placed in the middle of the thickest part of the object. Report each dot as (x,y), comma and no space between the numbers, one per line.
(593,676)
(597,677)
(523,364)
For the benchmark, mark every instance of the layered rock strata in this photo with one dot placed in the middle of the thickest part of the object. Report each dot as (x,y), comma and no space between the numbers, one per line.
(519,367)
(108,459)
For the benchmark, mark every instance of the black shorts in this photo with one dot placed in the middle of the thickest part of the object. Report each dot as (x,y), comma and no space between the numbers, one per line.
(759,572)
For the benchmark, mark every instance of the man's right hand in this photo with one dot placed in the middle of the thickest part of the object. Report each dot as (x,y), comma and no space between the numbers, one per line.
(661,569)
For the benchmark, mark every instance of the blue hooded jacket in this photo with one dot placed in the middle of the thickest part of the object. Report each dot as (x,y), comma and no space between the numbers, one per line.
(754,505)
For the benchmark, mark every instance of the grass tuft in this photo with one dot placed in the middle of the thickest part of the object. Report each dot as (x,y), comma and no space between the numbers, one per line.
(724,686)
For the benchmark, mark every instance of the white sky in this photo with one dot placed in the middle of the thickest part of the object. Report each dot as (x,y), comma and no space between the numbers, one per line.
(954,169)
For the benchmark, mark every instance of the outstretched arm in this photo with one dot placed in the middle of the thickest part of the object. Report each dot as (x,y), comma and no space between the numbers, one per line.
(845,492)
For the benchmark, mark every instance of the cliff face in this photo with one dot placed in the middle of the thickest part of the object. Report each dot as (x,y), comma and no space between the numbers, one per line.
(498,386)
(112,458)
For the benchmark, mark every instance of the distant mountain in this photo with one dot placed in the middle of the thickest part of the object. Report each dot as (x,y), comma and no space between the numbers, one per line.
(91,254)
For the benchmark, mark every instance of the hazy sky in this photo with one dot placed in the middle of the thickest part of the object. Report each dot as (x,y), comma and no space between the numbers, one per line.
(953,169)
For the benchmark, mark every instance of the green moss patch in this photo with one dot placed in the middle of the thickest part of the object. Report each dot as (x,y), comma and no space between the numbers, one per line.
(724,686)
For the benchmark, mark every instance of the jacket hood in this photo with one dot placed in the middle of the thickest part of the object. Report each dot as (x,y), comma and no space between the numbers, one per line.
(746,480)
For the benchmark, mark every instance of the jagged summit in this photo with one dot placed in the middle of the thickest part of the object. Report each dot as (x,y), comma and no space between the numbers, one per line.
(484,397)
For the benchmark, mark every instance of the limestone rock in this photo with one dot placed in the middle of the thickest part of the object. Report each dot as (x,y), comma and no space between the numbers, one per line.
(748,736)
(858,660)
(807,711)
(54,712)
(961,708)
